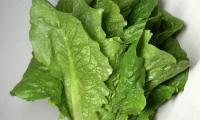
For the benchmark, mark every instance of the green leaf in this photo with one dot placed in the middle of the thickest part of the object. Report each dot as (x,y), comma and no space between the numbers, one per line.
(179,81)
(63,107)
(166,90)
(113,21)
(129,96)
(160,95)
(65,6)
(92,21)
(83,68)
(132,117)
(129,33)
(126,83)
(142,11)
(172,46)
(113,48)
(122,117)
(38,83)
(89,1)
(169,26)
(155,23)
(160,65)
(126,6)
(156,98)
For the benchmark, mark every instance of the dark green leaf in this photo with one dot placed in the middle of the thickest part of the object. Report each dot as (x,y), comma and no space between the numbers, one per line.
(126,6)
(169,25)
(142,11)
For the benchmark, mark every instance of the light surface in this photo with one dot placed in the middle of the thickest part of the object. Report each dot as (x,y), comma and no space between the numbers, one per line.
(15,55)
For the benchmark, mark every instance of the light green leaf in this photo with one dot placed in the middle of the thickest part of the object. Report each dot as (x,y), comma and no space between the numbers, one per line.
(166,90)
(129,96)
(91,19)
(160,65)
(113,48)
(38,83)
(126,83)
(129,33)
(83,68)
(113,21)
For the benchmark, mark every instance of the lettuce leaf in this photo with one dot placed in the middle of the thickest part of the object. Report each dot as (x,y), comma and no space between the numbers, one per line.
(113,21)
(38,83)
(70,54)
(92,21)
(126,6)
(169,88)
(128,94)
(160,65)
(129,33)
(142,11)
(169,26)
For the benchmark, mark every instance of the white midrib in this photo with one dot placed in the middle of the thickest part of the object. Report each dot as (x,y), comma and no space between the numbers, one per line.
(74,88)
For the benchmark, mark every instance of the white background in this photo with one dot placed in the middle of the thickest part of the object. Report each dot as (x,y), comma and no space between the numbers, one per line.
(15,54)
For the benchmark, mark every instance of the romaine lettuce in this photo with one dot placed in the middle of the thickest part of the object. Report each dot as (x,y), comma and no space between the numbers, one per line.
(104,59)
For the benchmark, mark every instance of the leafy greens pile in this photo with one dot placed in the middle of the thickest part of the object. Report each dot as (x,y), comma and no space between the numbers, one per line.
(104,59)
